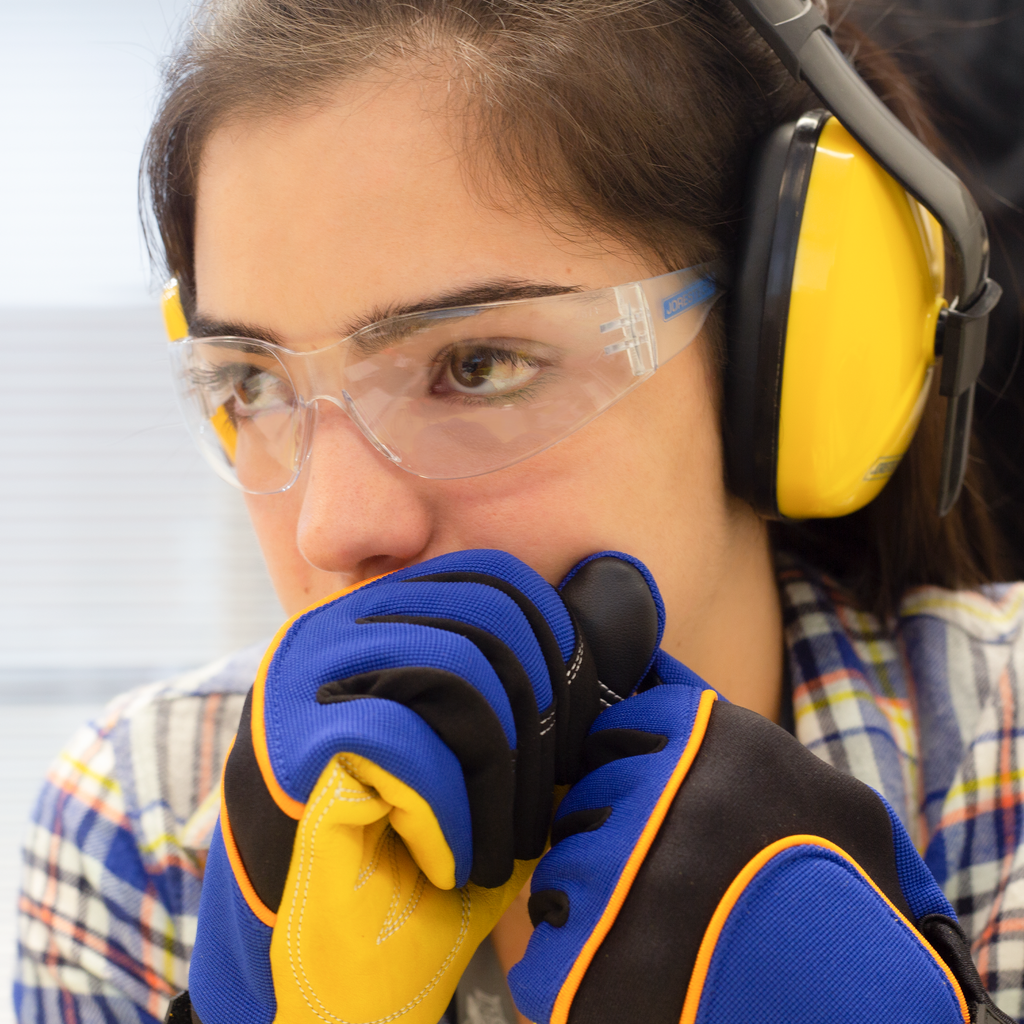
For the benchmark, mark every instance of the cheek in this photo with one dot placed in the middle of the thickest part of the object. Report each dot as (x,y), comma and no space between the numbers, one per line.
(275,519)
(645,478)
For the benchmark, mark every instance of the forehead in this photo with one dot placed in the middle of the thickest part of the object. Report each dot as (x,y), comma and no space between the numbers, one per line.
(308,218)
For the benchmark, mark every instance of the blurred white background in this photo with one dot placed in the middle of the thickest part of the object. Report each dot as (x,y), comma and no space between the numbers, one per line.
(122,558)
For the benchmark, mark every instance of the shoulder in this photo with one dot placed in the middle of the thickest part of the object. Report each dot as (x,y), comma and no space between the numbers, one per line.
(114,855)
(993,614)
(169,741)
(899,702)
(966,649)
(934,627)
(148,761)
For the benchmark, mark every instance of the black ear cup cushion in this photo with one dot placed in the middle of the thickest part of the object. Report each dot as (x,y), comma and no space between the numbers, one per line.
(759,307)
(746,311)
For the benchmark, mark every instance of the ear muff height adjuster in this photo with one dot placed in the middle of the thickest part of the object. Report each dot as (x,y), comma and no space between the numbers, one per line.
(960,341)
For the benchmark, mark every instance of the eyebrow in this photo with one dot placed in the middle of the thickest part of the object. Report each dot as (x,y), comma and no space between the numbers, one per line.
(478,294)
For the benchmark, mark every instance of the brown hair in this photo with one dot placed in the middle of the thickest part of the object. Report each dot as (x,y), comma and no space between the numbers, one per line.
(635,117)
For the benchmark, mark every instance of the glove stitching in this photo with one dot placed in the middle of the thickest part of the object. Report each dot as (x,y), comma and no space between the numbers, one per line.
(410,907)
(577,662)
(295,959)
(391,924)
(615,697)
(366,873)
(389,837)
(365,794)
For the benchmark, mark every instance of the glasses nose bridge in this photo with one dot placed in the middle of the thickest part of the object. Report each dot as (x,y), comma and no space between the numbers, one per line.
(316,376)
(325,396)
(347,406)
(325,380)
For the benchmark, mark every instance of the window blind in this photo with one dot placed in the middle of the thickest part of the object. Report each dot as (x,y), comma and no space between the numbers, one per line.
(122,556)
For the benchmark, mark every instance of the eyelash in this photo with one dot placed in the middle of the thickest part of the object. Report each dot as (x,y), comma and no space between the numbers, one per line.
(226,375)
(229,375)
(219,377)
(522,394)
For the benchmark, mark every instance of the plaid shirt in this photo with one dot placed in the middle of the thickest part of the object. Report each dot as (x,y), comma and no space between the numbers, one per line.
(927,709)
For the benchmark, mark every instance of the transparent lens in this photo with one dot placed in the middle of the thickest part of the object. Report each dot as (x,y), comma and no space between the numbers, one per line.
(457,393)
(243,410)
(464,396)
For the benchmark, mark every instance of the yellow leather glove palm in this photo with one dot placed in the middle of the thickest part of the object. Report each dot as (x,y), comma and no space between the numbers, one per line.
(368,851)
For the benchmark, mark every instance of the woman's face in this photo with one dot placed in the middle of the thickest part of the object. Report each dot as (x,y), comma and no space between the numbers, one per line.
(310,221)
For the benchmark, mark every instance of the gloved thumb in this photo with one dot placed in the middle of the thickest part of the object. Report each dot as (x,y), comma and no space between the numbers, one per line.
(617,607)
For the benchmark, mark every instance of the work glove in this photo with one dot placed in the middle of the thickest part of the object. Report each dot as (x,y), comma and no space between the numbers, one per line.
(388,793)
(708,869)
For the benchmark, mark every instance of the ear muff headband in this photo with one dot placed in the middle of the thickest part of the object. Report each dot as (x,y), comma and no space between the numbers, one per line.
(801,38)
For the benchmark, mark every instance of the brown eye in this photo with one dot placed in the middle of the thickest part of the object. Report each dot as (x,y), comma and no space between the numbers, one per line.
(258,391)
(481,370)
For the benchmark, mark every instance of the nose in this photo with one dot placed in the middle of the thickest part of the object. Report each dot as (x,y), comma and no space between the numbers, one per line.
(360,514)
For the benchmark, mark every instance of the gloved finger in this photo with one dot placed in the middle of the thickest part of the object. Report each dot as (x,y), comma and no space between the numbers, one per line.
(535,597)
(263,818)
(451,686)
(492,621)
(579,885)
(362,934)
(567,657)
(483,617)
(406,810)
(616,605)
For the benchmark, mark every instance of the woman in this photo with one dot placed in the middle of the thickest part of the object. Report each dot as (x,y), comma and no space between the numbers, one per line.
(320,168)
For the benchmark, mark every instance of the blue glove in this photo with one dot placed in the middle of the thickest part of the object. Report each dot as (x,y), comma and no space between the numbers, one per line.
(708,869)
(388,794)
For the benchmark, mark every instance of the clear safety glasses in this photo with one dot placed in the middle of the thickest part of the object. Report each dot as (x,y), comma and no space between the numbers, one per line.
(444,394)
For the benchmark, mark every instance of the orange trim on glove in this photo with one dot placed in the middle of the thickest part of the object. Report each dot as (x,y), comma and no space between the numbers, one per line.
(293,808)
(739,884)
(560,1012)
(256,905)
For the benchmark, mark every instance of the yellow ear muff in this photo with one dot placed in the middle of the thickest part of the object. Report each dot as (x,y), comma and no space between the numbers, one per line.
(859,346)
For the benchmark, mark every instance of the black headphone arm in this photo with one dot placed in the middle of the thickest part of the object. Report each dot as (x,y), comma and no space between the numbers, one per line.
(801,38)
